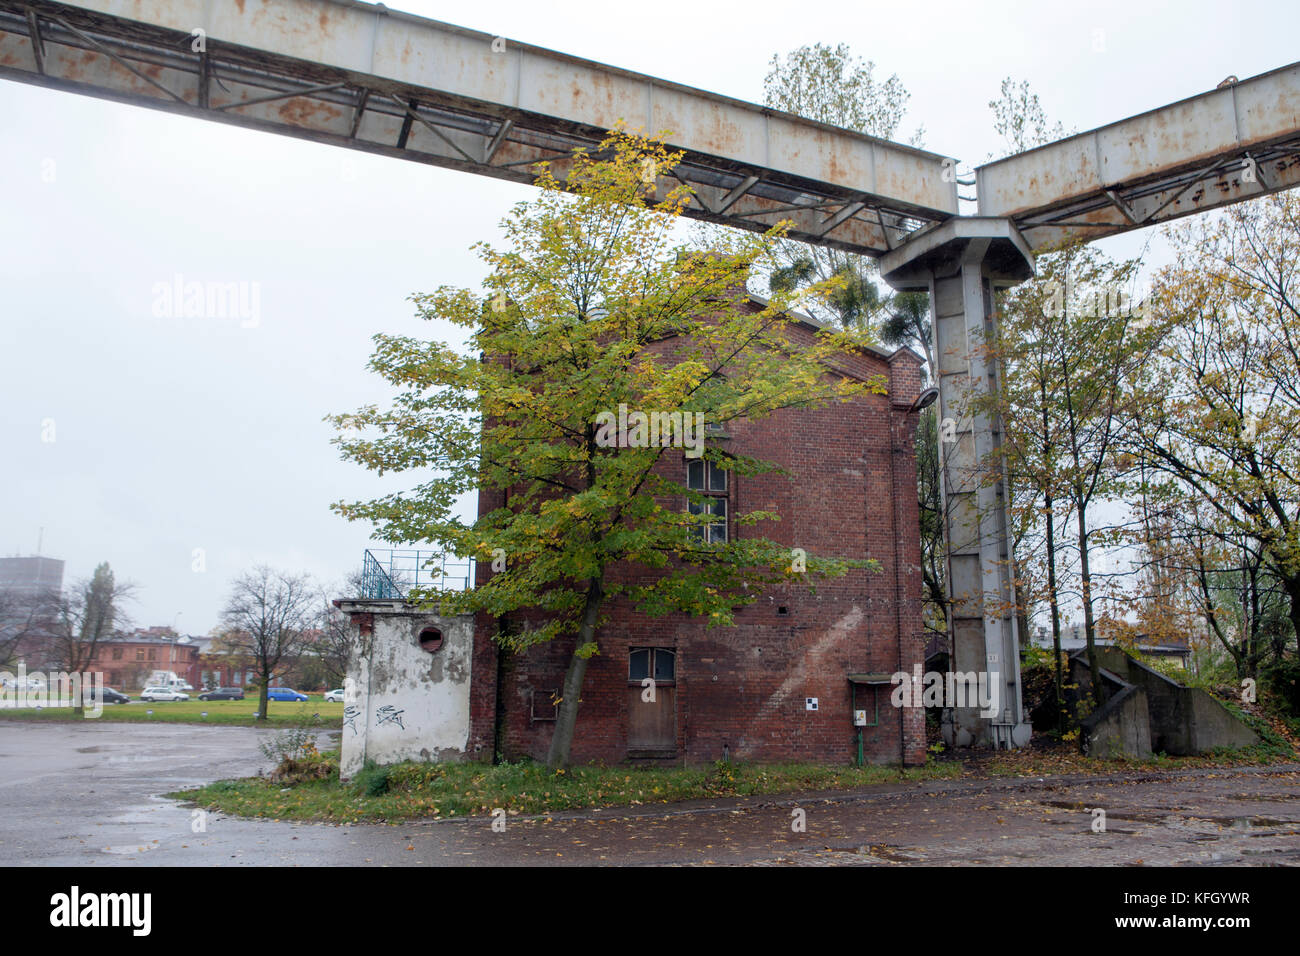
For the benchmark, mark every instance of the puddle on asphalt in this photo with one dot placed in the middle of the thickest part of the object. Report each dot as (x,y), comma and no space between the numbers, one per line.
(147,812)
(134,849)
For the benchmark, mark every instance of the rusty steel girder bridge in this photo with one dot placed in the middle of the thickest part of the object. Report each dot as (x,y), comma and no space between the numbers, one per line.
(367,77)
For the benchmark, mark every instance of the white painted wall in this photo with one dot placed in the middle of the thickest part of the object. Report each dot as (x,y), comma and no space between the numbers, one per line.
(402,702)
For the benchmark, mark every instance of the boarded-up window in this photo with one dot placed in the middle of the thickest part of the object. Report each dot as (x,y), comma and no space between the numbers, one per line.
(543,704)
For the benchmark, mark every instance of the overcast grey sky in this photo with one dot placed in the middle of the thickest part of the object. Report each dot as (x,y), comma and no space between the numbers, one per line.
(174,434)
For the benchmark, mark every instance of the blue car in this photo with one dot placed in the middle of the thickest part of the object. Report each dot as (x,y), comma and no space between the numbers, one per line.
(284,693)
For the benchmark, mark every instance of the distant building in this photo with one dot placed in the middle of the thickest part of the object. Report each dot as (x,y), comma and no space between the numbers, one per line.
(222,666)
(23,580)
(128,660)
(1074,638)
(219,667)
(32,574)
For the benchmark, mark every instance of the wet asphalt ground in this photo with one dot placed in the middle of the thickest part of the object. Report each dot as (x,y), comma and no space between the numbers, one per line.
(88,794)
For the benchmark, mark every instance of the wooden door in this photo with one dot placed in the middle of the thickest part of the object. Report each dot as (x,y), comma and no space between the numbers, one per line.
(652,708)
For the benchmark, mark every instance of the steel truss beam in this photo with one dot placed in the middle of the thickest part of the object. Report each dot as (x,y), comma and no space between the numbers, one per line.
(364,77)
(1230,144)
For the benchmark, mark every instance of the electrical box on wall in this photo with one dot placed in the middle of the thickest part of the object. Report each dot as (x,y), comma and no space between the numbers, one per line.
(859,718)
(810,703)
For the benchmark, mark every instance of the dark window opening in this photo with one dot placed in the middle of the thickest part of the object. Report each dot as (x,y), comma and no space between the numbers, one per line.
(665,664)
(659,662)
(708,479)
(638,668)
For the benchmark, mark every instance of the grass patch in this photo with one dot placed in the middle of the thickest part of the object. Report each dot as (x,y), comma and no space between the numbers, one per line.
(412,791)
(230,712)
(451,790)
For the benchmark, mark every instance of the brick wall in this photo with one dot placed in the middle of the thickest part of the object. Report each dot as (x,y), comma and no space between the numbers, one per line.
(850,492)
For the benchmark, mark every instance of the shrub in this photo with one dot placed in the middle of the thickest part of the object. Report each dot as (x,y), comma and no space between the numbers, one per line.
(296,742)
(722,778)
(314,766)
(372,779)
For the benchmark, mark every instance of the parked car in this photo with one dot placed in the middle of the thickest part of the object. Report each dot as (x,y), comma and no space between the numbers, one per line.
(223,693)
(334,696)
(284,693)
(162,693)
(106,694)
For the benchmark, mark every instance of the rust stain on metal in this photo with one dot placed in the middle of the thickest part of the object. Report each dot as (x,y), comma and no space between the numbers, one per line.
(304,112)
(600,89)
(240,5)
(726,134)
(834,170)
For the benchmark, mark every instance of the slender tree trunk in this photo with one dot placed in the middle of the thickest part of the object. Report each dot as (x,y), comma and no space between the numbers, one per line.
(1089,623)
(1049,503)
(265,684)
(1211,614)
(1056,612)
(1022,606)
(567,716)
(1253,650)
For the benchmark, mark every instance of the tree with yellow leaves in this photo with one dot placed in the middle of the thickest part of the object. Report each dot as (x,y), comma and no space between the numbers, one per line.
(1221,407)
(591,314)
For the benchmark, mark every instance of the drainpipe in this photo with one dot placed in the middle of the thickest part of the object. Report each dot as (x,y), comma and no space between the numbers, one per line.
(498,700)
(898,604)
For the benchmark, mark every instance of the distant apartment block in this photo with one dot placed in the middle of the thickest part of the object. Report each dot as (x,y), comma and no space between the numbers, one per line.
(31,574)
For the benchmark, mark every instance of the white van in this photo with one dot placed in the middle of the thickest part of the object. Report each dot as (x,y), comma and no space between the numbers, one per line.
(168,679)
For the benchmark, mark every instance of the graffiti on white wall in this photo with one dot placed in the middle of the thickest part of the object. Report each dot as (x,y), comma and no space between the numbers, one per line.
(389,714)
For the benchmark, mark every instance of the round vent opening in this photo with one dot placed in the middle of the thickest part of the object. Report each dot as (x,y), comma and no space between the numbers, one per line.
(430,639)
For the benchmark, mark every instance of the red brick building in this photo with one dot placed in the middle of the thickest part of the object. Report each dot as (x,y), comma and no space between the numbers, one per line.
(783,683)
(127,660)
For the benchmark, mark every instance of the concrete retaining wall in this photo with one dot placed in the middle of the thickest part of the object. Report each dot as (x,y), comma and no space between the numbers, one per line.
(1120,728)
(1178,720)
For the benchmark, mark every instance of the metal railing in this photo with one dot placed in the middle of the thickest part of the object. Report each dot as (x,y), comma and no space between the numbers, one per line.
(388,574)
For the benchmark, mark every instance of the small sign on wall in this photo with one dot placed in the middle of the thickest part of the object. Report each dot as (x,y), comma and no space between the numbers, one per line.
(810,703)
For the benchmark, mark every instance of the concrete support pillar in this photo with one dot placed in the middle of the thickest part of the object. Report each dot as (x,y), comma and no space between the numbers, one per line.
(960,264)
